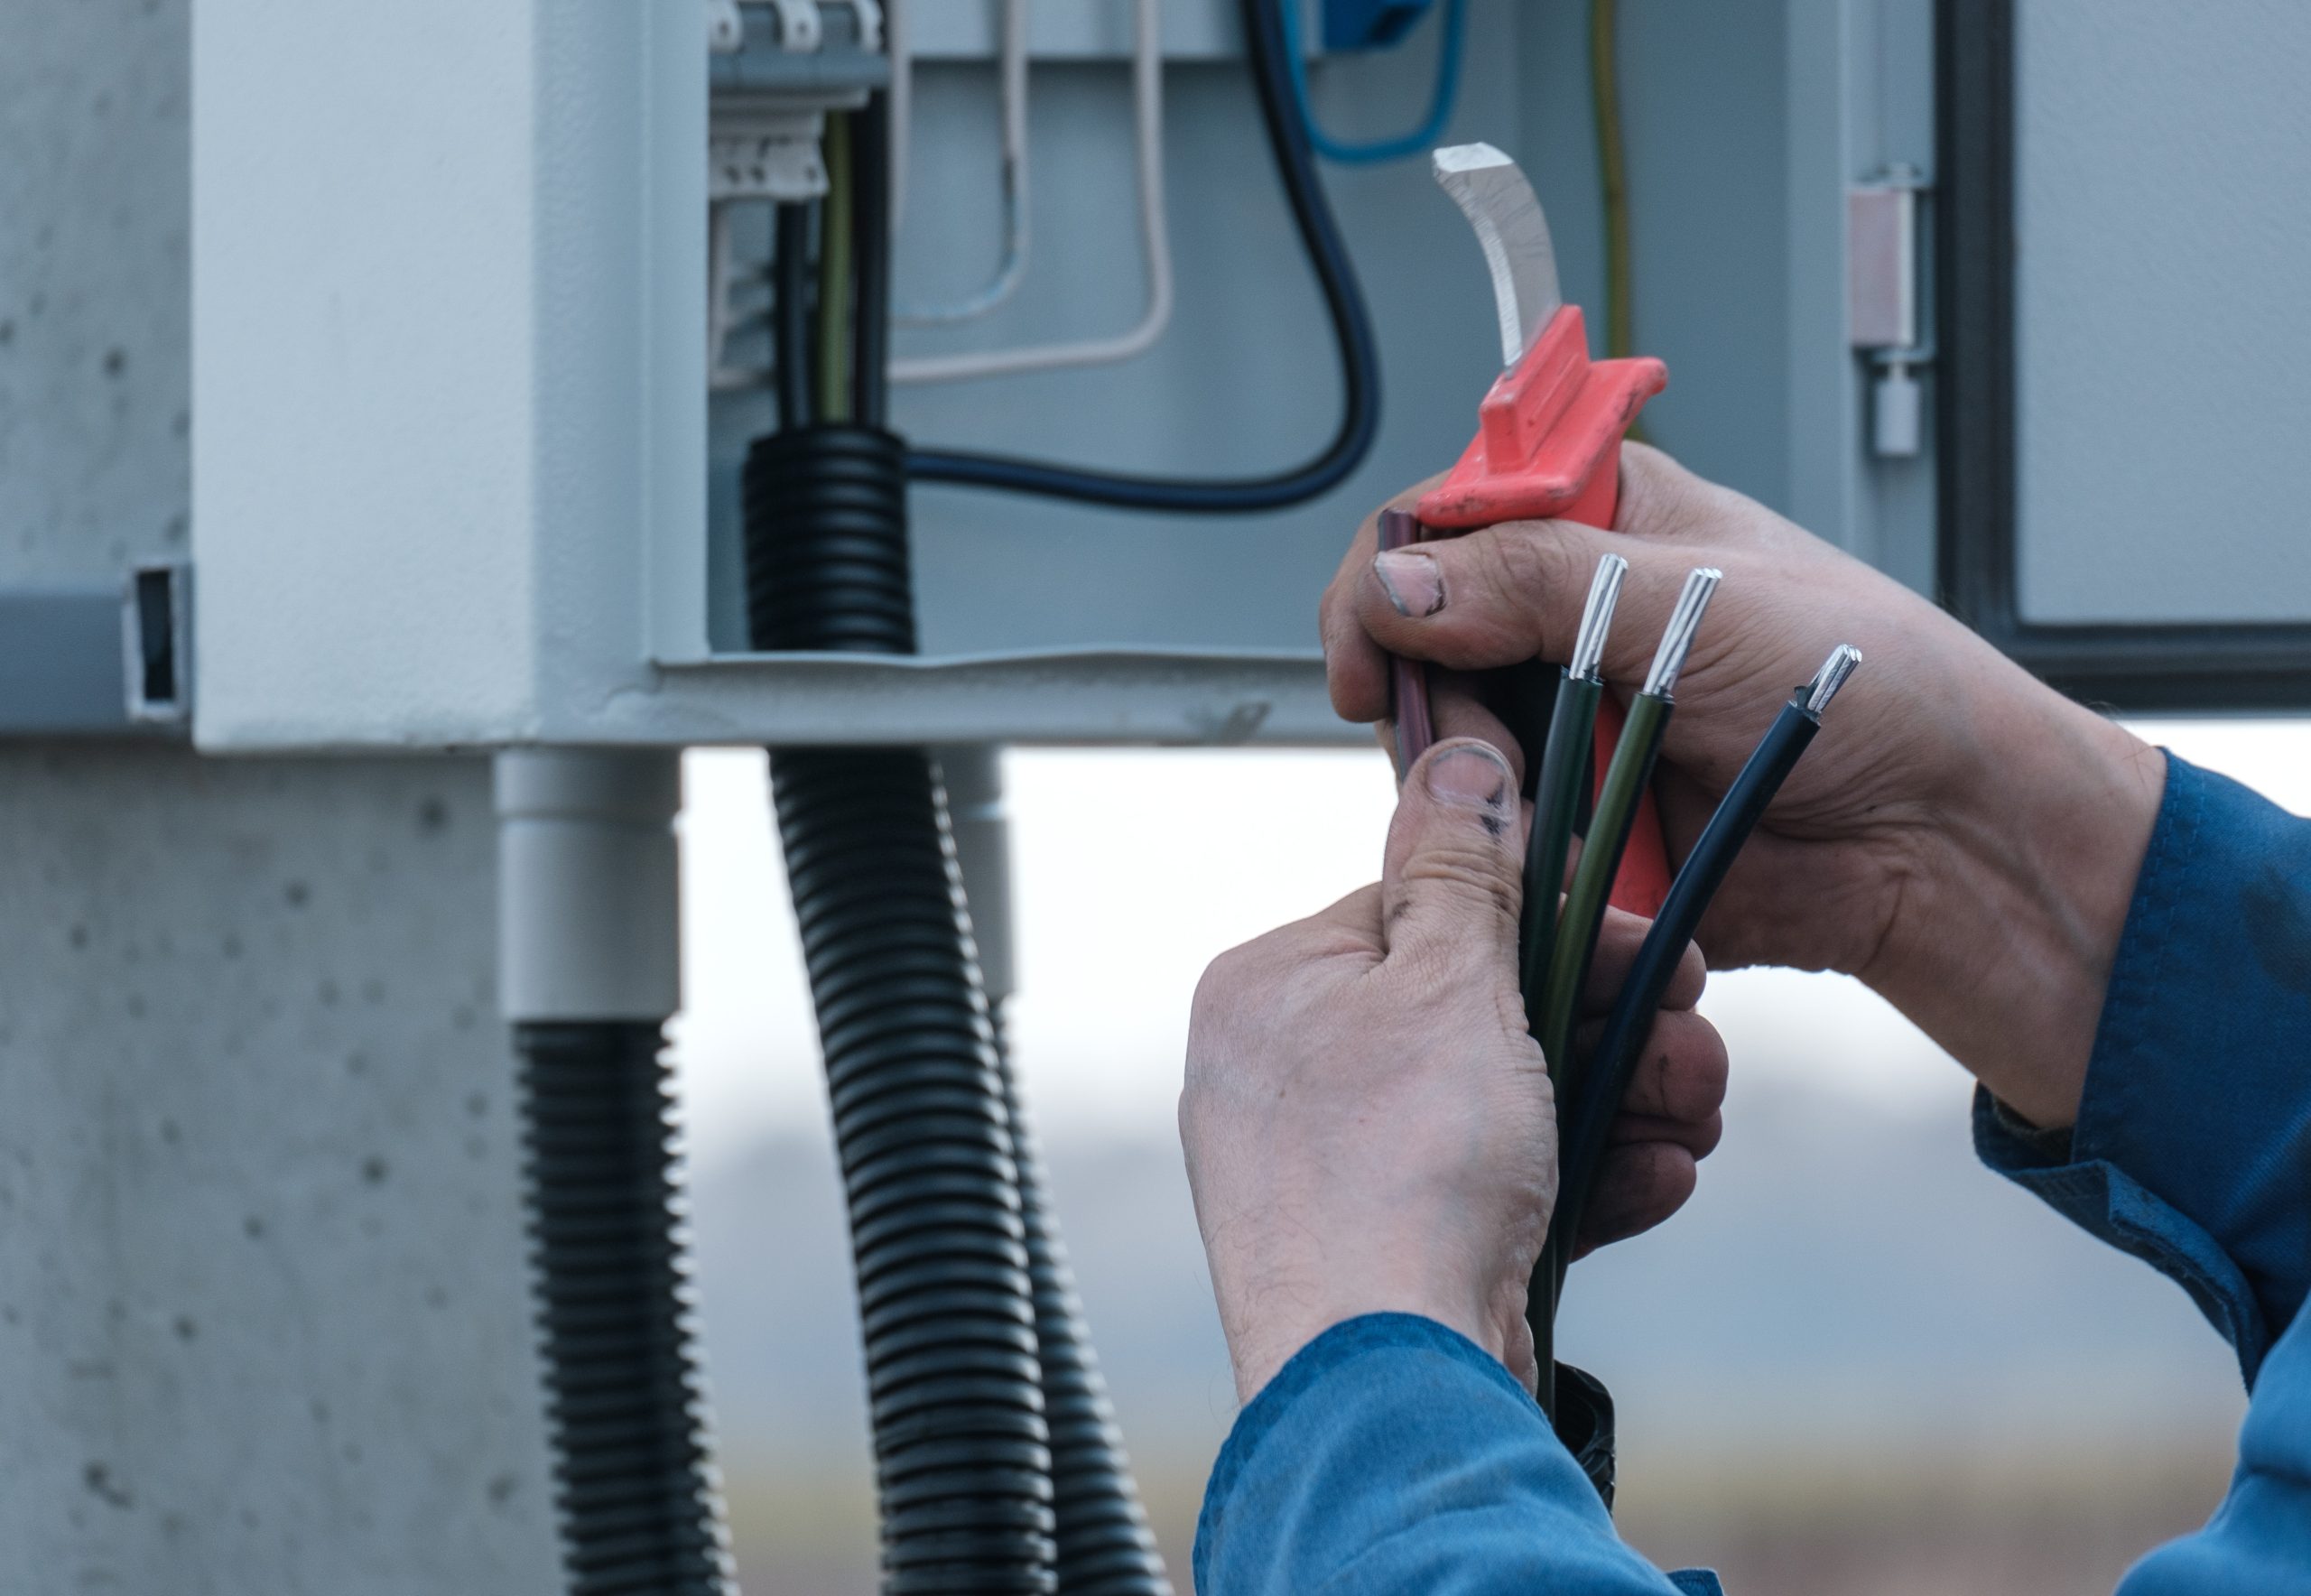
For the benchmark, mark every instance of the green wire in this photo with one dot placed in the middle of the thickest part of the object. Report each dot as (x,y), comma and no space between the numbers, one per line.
(1576,942)
(1592,884)
(834,275)
(1557,799)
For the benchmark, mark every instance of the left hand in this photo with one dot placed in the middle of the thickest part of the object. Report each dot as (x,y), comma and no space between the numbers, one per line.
(1370,1127)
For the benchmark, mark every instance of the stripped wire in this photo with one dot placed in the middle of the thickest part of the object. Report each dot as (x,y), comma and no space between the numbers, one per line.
(1627,777)
(1557,795)
(1583,1129)
(1625,783)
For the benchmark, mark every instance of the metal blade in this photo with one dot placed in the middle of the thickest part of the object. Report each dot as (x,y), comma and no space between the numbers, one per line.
(1506,213)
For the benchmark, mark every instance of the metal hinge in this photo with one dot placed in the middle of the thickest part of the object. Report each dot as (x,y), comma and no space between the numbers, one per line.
(1884,290)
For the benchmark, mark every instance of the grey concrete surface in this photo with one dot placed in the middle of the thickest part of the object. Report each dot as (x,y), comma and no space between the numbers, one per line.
(262,1311)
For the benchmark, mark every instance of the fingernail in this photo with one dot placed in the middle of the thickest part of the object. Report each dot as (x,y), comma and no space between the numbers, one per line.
(1472,777)
(1413,581)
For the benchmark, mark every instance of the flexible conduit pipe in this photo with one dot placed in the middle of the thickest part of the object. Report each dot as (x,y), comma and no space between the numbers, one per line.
(589,973)
(942,1230)
(1105,1546)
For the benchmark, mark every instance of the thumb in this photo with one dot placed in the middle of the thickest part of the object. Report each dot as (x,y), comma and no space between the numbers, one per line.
(1452,882)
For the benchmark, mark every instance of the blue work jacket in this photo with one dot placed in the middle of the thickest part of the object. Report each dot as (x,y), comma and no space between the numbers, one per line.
(1393,1455)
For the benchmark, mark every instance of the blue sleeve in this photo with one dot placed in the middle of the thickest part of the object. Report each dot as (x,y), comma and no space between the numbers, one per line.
(2192,1145)
(1392,1454)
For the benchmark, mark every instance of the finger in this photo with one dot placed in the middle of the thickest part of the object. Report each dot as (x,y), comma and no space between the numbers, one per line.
(1355,667)
(1457,706)
(1618,941)
(1679,1077)
(1698,1137)
(1503,594)
(1639,1185)
(1449,884)
(1456,709)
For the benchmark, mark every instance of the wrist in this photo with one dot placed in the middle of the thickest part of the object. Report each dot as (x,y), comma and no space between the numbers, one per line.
(1280,1322)
(2007,922)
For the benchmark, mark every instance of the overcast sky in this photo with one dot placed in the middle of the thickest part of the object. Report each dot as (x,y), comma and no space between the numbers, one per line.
(1134,868)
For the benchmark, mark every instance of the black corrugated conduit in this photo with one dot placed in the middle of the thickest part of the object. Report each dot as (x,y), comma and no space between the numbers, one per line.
(977,1364)
(634,1486)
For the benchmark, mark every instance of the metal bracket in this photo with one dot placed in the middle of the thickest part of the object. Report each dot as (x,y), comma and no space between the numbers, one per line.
(95,659)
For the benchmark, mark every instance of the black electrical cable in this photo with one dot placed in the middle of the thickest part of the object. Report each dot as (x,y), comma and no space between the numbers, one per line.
(1634,1011)
(789,324)
(1335,274)
(633,1486)
(870,222)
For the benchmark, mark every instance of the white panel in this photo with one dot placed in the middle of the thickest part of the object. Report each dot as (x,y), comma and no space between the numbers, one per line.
(430,379)
(2163,325)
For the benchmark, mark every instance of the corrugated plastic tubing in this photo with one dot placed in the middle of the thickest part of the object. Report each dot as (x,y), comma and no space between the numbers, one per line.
(634,1486)
(943,1227)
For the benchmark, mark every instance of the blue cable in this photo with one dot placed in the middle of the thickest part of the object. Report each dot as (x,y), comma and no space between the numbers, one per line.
(1375,152)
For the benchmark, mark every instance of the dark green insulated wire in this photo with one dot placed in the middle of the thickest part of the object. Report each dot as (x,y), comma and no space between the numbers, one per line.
(1576,944)
(1624,786)
(1557,799)
(1627,777)
(1556,790)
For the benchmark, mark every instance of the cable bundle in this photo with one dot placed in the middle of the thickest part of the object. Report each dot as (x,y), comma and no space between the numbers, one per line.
(1556,948)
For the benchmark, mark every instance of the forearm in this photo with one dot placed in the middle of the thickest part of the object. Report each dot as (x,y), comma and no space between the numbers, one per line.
(1391,1455)
(2005,919)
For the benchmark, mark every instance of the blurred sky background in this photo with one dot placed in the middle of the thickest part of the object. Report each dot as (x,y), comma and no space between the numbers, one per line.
(1857,1363)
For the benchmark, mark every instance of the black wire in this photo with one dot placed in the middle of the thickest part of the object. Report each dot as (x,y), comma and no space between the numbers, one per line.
(1360,359)
(1581,1142)
(790,321)
(870,252)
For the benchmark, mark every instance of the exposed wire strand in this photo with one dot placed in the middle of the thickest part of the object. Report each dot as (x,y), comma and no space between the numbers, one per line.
(1677,637)
(1154,235)
(1597,618)
(1377,152)
(1011,270)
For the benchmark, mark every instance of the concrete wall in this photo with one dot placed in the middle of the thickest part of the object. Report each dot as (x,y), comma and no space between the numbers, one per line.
(262,1313)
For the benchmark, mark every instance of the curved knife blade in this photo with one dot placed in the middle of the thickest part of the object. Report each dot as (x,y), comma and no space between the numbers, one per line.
(1501,206)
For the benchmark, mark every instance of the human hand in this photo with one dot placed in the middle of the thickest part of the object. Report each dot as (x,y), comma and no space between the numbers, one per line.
(1369,1128)
(1961,837)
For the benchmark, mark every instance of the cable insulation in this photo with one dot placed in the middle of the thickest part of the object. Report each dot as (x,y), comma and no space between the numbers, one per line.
(1556,803)
(1344,305)
(1379,151)
(1154,238)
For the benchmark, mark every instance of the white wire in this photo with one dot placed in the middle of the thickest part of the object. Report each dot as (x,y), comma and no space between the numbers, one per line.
(1013,268)
(1155,233)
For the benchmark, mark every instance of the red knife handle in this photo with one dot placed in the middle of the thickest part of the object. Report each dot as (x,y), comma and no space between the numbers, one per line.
(1548,447)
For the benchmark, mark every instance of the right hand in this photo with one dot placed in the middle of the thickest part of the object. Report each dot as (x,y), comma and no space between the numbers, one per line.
(1961,837)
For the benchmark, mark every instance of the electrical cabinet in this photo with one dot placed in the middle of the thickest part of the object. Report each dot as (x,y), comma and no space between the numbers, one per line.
(462,477)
